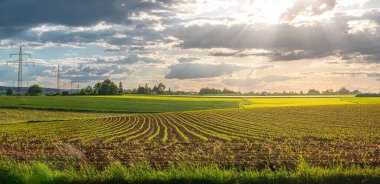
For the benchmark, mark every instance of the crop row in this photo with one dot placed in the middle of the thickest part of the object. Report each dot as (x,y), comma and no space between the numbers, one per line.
(352,121)
(321,134)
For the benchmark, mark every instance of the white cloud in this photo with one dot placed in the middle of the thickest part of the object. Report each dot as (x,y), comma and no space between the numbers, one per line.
(362,26)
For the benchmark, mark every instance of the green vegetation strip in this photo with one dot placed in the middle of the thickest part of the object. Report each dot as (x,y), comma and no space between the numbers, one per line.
(133,104)
(11,172)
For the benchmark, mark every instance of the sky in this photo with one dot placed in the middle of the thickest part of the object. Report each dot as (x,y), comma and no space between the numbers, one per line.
(245,45)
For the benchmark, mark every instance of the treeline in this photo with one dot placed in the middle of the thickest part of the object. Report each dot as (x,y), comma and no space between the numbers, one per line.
(156,90)
(341,91)
(368,95)
(107,87)
(213,91)
(34,90)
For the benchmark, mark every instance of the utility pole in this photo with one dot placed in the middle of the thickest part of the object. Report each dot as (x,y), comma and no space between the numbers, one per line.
(71,86)
(58,71)
(78,88)
(20,63)
(27,87)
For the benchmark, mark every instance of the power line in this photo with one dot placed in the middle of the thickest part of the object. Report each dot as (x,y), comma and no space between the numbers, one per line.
(59,72)
(20,63)
(78,87)
(71,86)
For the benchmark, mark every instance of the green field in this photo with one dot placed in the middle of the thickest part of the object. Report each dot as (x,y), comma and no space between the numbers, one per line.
(141,104)
(119,103)
(248,140)
(31,115)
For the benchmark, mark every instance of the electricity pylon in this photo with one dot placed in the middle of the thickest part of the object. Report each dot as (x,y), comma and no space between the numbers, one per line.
(58,71)
(20,63)
(71,86)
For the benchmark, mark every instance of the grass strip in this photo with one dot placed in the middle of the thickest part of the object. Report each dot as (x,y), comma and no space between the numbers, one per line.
(37,172)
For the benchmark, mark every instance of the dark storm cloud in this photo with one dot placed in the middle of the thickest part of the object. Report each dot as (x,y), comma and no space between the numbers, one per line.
(30,72)
(20,13)
(88,70)
(297,55)
(73,37)
(352,74)
(101,68)
(357,57)
(373,14)
(287,42)
(136,38)
(372,58)
(187,60)
(196,70)
(87,73)
(17,17)
(230,54)
(246,37)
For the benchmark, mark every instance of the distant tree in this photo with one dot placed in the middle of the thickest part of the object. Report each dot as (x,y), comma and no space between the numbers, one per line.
(87,91)
(313,92)
(161,88)
(97,88)
(328,92)
(140,90)
(35,90)
(356,92)
(343,91)
(147,89)
(108,88)
(120,89)
(65,93)
(9,92)
(368,95)
(155,90)
(133,91)
(228,91)
(207,90)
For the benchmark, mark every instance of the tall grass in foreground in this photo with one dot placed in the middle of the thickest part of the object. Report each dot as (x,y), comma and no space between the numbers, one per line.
(11,172)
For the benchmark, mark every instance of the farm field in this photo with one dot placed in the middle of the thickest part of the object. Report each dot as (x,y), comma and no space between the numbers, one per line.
(143,103)
(31,115)
(305,101)
(190,91)
(321,134)
(133,103)
(270,133)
